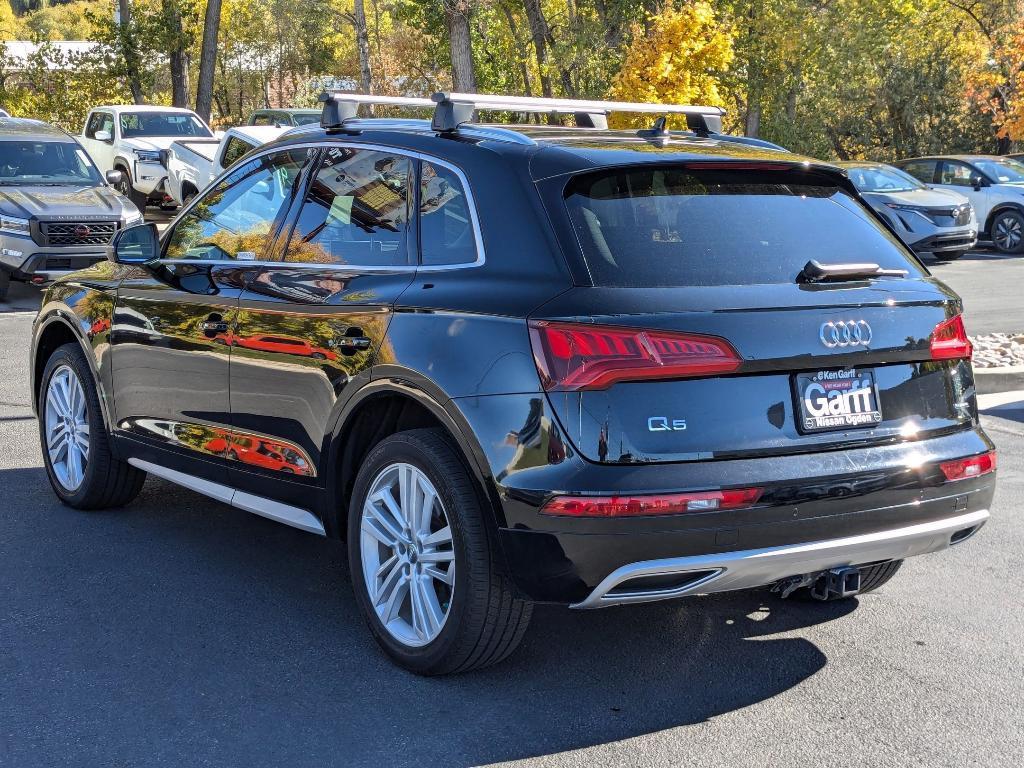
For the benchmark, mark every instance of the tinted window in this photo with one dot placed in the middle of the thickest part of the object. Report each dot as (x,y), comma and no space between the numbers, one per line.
(240,213)
(956,174)
(306,119)
(446,225)
(924,170)
(356,210)
(45,162)
(233,151)
(646,227)
(260,118)
(161,124)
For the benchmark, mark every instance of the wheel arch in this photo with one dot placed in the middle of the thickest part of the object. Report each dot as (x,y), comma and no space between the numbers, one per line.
(52,332)
(383,408)
(1000,208)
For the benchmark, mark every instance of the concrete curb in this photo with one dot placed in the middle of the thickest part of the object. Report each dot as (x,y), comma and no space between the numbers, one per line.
(992,380)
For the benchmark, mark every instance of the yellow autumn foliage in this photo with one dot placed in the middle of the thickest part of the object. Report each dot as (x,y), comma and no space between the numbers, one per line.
(678,59)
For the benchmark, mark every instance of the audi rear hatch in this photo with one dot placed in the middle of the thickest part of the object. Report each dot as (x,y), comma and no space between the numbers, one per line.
(743,310)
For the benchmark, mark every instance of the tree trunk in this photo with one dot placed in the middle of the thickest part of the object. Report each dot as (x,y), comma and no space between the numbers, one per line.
(208,60)
(752,125)
(456,18)
(178,55)
(129,50)
(539,33)
(362,46)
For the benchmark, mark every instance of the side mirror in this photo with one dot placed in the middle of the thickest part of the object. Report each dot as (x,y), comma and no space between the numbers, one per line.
(135,245)
(978,182)
(104,136)
(114,177)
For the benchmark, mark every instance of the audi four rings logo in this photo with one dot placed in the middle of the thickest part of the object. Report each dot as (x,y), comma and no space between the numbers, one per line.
(845,333)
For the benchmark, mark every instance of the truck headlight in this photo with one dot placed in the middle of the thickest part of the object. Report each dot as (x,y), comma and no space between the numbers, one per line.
(133,218)
(148,155)
(14,225)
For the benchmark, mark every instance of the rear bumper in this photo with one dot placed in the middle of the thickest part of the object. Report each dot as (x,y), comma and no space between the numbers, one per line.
(675,577)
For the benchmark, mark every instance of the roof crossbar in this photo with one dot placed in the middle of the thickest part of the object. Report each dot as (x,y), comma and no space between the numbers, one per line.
(340,106)
(454,109)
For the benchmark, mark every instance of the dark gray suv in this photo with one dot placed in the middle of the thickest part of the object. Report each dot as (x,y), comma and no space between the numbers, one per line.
(57,212)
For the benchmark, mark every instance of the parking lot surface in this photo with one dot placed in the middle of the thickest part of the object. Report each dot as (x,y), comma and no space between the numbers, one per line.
(181,632)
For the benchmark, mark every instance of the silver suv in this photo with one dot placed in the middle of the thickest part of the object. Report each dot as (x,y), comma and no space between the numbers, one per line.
(936,221)
(57,212)
(993,184)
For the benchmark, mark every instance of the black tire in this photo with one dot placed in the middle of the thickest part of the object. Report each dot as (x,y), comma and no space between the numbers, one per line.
(948,255)
(125,187)
(874,576)
(106,481)
(871,578)
(5,284)
(486,619)
(1008,232)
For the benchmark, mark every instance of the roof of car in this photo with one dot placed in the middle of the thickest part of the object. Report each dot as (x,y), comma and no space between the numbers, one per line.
(558,149)
(20,128)
(964,158)
(141,108)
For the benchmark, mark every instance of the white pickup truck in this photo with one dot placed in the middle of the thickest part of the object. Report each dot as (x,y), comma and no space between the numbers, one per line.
(193,163)
(133,139)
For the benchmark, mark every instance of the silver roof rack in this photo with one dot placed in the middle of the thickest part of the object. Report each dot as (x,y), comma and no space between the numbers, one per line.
(454,109)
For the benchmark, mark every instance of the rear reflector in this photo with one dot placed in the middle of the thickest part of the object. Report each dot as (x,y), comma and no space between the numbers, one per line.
(661,504)
(949,340)
(961,469)
(574,356)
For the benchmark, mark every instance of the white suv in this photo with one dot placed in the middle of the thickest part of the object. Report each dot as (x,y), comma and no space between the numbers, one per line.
(134,139)
(993,184)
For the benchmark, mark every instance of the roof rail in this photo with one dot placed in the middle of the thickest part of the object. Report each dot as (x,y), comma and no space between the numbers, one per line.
(454,109)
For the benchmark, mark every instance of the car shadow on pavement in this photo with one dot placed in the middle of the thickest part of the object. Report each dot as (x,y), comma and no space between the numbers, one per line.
(179,631)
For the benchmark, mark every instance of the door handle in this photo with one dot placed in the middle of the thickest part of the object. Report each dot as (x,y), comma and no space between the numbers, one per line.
(353,341)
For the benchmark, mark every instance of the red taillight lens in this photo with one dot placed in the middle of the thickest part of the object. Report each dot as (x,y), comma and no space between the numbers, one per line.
(949,340)
(661,504)
(961,469)
(574,356)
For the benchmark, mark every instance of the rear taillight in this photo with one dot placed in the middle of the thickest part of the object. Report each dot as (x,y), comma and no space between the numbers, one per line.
(573,356)
(961,469)
(660,504)
(949,340)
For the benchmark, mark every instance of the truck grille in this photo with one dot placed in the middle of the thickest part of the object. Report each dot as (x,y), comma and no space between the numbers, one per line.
(57,233)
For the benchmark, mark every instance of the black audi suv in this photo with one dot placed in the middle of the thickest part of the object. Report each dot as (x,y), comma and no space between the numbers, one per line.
(510,365)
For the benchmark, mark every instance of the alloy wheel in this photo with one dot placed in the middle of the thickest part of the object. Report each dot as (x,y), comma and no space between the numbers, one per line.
(1007,233)
(407,555)
(67,427)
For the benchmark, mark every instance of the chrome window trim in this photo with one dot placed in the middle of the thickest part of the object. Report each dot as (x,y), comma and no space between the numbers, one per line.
(481,257)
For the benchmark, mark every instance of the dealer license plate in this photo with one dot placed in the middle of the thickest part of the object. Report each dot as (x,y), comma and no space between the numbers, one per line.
(831,399)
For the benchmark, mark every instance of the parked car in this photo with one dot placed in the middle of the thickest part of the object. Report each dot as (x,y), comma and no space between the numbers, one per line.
(993,184)
(284,117)
(57,212)
(193,163)
(133,140)
(939,222)
(567,375)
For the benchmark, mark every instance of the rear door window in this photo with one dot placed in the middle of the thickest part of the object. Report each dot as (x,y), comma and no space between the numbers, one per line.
(923,170)
(446,218)
(356,210)
(673,226)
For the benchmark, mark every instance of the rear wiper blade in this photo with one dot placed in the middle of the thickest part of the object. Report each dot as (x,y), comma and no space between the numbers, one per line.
(816,272)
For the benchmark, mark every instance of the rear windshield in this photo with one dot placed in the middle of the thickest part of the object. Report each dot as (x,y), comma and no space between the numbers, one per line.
(669,226)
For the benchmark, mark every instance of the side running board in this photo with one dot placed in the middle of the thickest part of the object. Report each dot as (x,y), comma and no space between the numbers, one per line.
(302,519)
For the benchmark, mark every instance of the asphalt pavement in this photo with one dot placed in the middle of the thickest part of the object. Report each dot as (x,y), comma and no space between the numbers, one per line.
(181,632)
